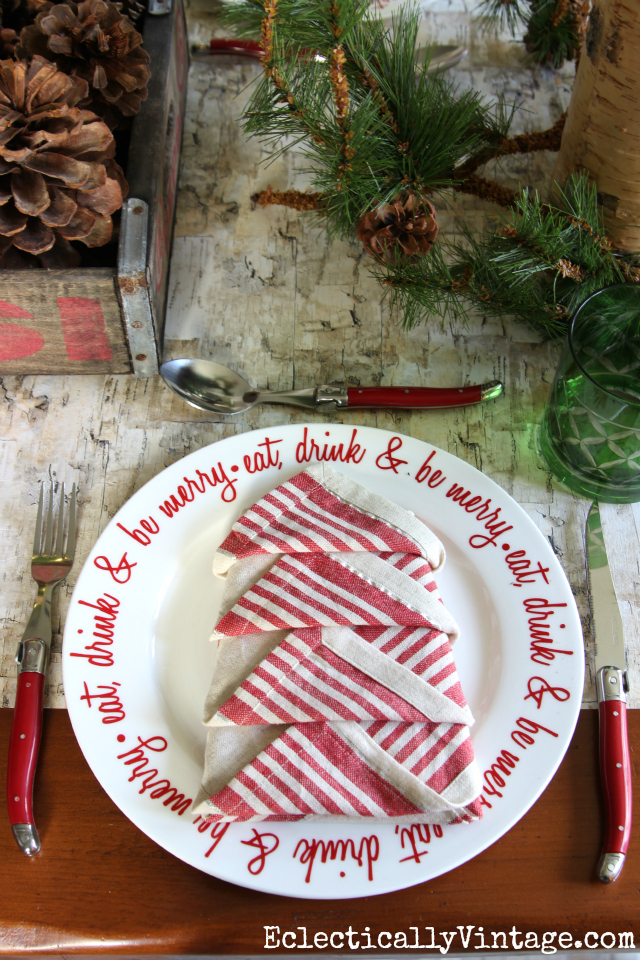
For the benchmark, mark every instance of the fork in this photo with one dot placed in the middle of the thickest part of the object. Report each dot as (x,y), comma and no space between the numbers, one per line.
(50,564)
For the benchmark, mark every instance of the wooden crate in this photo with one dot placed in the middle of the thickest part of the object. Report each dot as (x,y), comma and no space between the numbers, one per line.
(111,320)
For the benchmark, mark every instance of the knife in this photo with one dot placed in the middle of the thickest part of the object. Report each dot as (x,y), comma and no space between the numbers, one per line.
(612,684)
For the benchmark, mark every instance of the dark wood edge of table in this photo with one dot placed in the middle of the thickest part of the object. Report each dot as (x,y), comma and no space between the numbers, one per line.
(101,886)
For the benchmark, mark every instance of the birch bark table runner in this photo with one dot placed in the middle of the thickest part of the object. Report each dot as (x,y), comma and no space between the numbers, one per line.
(335,694)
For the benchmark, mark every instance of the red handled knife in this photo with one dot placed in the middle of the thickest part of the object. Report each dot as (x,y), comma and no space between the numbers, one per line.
(612,685)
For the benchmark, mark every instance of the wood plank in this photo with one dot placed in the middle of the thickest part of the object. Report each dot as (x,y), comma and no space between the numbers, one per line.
(100,885)
(61,321)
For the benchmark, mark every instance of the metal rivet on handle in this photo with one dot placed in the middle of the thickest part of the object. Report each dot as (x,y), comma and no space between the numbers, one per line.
(16,799)
(22,736)
(618,764)
(615,713)
(613,679)
(620,828)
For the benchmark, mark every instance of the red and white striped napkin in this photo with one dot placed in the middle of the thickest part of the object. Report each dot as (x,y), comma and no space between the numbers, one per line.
(335,693)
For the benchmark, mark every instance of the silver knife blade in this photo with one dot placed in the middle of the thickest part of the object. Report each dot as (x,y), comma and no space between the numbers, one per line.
(605,612)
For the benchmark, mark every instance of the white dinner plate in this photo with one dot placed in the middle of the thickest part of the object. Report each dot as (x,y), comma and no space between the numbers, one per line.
(137,659)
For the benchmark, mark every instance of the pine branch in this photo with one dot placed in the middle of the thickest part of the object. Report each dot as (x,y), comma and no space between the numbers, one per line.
(464,179)
(538,264)
(373,127)
(350,92)
(554,29)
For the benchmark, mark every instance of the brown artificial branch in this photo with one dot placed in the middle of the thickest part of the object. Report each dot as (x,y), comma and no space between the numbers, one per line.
(560,12)
(303,201)
(371,83)
(271,70)
(295,199)
(530,142)
(266,32)
(341,100)
(521,143)
(485,190)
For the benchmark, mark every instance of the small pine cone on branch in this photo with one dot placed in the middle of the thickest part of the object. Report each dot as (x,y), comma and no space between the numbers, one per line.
(94,41)
(58,179)
(407,224)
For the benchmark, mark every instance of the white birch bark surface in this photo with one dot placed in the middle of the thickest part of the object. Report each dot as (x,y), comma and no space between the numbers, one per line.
(602,131)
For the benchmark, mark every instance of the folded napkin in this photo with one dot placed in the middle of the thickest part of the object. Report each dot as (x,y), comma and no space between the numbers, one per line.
(335,693)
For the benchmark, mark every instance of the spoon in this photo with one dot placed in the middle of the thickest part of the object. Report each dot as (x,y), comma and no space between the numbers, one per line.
(211,386)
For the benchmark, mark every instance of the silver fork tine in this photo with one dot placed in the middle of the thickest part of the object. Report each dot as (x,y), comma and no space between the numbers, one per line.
(58,546)
(48,534)
(37,538)
(71,532)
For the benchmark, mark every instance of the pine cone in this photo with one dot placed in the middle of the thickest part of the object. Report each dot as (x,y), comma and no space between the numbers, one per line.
(58,181)
(133,9)
(94,41)
(17,14)
(8,41)
(408,224)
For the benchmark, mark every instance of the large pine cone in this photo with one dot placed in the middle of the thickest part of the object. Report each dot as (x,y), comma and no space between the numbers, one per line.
(407,224)
(94,41)
(58,181)
(17,14)
(8,41)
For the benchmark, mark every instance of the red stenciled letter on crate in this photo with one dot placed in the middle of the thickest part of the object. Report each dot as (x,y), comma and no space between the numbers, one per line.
(83,329)
(16,340)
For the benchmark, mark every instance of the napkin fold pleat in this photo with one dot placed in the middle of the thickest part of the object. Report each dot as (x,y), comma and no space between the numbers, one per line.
(336,674)
(324,589)
(335,694)
(319,511)
(324,771)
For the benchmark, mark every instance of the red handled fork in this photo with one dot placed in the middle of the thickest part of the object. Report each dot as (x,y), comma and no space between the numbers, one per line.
(50,564)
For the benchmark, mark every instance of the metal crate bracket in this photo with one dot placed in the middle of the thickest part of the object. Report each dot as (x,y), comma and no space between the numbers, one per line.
(133,288)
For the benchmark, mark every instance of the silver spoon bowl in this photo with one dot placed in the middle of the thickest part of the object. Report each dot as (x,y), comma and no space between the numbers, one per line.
(214,387)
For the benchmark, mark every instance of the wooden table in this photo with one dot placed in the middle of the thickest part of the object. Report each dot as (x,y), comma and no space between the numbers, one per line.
(263,291)
(101,885)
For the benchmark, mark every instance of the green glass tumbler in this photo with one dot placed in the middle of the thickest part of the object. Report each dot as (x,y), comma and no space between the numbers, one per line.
(590,433)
